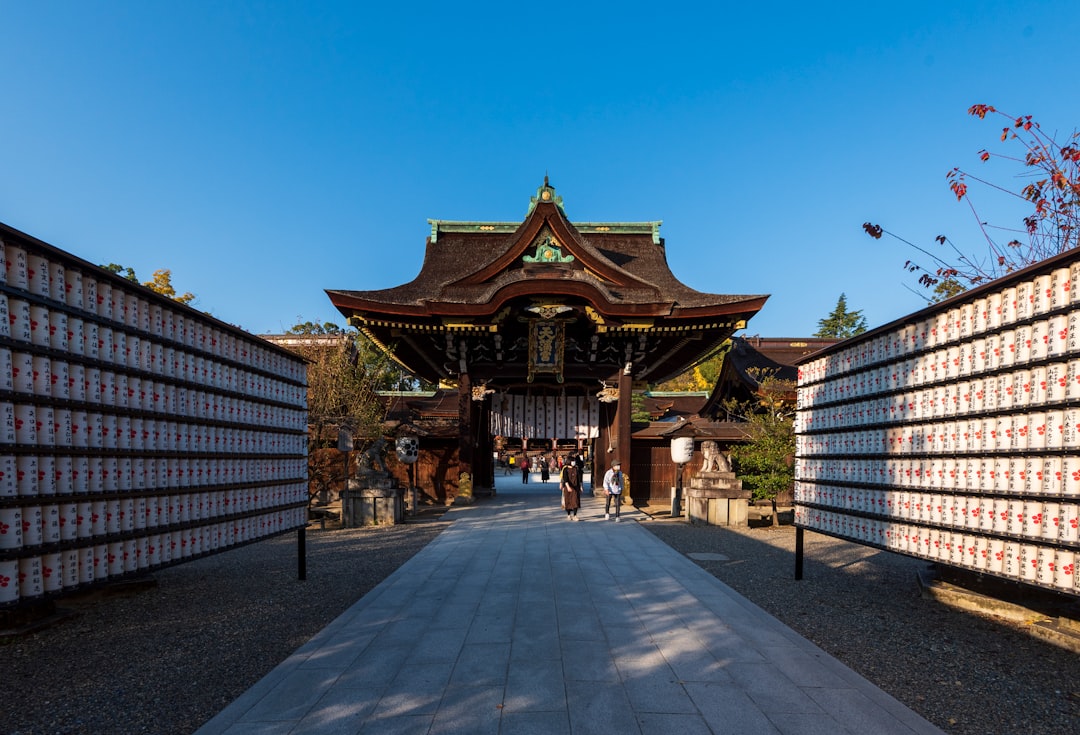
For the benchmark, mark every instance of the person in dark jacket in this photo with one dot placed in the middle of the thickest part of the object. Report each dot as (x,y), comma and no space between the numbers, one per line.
(570,486)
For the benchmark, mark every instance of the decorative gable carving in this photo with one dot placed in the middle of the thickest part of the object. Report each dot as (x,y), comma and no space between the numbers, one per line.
(547,250)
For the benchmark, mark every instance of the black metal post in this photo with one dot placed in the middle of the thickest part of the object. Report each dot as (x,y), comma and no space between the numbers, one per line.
(798,552)
(301,553)
(412,486)
(676,498)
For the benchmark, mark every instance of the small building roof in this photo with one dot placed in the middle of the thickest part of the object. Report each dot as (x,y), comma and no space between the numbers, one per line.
(752,358)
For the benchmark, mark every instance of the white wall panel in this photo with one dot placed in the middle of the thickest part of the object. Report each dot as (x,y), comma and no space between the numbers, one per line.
(954,434)
(134,432)
(546,417)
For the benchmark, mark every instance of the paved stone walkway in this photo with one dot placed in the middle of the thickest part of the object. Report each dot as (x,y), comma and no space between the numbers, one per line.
(517,621)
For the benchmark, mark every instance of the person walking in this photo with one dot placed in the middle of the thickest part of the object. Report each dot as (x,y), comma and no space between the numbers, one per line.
(545,474)
(613,487)
(524,470)
(570,487)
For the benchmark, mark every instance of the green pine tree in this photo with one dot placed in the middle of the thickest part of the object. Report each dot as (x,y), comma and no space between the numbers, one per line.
(841,323)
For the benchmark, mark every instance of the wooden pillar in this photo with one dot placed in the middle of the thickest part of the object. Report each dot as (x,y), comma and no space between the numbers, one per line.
(466,445)
(483,463)
(622,421)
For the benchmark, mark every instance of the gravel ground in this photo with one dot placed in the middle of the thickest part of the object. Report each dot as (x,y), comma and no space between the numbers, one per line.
(166,659)
(162,660)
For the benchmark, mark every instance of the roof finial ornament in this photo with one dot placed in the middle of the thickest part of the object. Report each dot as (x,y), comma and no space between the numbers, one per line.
(546,194)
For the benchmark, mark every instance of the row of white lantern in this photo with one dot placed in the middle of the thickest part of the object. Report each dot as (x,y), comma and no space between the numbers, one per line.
(32,425)
(1000,310)
(38,375)
(1020,474)
(996,352)
(37,325)
(29,475)
(36,576)
(38,525)
(1038,430)
(1050,385)
(1043,519)
(39,277)
(1032,563)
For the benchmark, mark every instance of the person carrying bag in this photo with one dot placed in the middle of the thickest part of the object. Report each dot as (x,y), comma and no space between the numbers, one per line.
(613,487)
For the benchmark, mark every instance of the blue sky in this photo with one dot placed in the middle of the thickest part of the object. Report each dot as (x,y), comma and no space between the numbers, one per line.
(265,151)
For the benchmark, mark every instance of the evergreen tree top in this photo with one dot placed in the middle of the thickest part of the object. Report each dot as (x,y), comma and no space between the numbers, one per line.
(841,323)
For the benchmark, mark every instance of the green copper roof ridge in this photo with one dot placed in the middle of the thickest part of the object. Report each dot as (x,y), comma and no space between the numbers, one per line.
(447,225)
(545,193)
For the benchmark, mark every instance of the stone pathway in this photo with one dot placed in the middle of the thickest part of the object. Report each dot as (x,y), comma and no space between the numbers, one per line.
(515,621)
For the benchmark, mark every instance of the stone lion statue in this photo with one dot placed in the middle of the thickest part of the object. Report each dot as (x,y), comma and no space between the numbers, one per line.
(372,459)
(714,459)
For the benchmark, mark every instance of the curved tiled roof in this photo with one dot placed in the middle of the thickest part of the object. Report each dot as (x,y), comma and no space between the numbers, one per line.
(611,283)
(624,263)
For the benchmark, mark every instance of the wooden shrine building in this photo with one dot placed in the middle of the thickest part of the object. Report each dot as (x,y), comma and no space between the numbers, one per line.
(545,327)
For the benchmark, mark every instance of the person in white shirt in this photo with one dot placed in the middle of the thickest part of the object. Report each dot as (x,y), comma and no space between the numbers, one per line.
(613,487)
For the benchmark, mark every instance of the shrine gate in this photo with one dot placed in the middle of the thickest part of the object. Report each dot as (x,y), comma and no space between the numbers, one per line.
(545,327)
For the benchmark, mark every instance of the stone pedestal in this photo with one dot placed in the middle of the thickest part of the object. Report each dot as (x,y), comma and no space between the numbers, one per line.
(716,498)
(372,501)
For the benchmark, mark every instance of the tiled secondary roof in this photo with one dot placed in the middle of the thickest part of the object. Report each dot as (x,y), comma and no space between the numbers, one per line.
(751,357)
